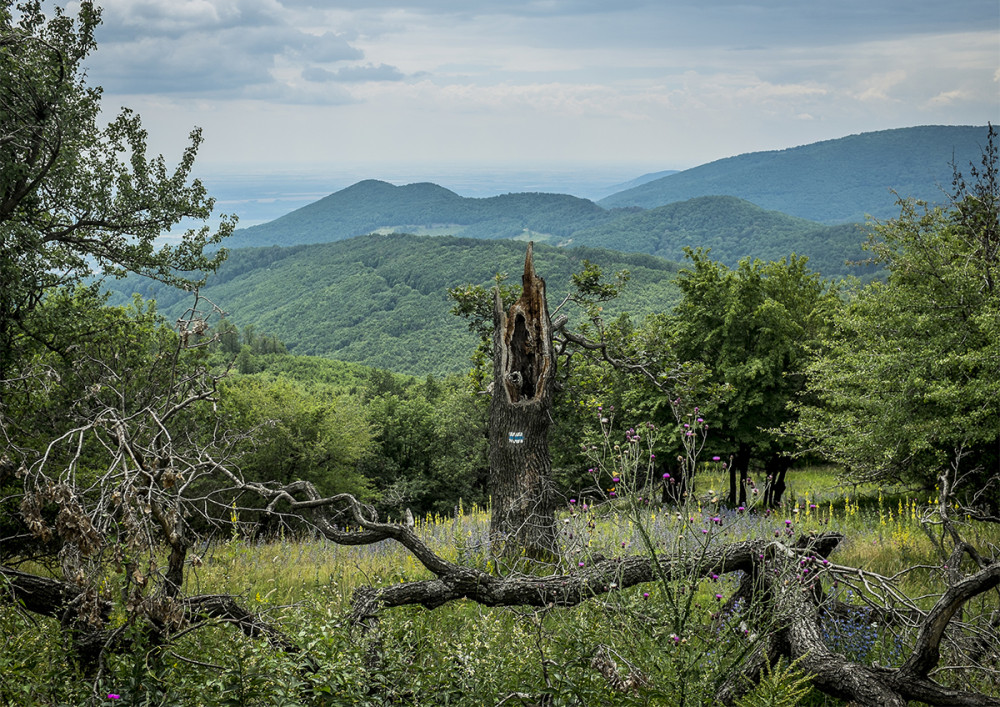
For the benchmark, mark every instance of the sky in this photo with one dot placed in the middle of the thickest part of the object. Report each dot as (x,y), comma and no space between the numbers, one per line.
(296,86)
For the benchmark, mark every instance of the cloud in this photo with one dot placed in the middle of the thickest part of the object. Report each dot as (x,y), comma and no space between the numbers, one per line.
(350,74)
(877,87)
(227,48)
(947,98)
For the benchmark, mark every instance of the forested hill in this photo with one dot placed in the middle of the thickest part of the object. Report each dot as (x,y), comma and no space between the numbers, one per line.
(834,181)
(382,300)
(373,205)
(733,229)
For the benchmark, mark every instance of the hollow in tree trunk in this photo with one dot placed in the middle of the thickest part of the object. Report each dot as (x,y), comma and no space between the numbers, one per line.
(524,367)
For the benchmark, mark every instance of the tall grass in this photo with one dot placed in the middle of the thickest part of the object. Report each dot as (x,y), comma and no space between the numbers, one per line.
(466,654)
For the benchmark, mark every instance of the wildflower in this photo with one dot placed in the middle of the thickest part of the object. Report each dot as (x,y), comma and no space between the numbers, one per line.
(666,476)
(788,522)
(741,509)
(718,597)
(581,563)
(716,459)
(572,500)
(645,595)
(612,494)
(616,479)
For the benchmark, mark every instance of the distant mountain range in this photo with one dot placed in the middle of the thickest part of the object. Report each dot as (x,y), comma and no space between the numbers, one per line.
(381,300)
(426,209)
(764,205)
(834,181)
(315,280)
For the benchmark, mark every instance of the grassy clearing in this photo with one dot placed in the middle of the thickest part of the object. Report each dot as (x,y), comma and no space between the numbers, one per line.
(466,654)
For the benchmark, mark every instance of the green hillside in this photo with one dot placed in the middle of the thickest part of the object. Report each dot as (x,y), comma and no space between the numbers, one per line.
(372,205)
(834,181)
(733,229)
(382,300)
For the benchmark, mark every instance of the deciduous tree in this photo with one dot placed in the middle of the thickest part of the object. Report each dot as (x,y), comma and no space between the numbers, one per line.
(755,328)
(909,384)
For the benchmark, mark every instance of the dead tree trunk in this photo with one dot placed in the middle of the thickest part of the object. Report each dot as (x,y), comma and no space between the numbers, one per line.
(524,366)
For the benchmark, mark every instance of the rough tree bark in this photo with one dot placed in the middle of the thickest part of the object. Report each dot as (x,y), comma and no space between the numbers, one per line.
(524,367)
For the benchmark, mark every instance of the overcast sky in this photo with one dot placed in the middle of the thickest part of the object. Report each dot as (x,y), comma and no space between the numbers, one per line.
(662,84)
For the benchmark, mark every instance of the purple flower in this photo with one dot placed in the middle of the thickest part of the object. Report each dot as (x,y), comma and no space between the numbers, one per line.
(581,564)
(572,500)
(666,476)
(612,494)
(715,459)
(718,597)
(645,595)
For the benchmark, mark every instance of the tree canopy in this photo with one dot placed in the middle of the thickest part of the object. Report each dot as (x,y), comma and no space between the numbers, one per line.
(76,198)
(910,383)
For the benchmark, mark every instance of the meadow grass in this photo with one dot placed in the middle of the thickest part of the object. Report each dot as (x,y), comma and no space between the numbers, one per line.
(463,653)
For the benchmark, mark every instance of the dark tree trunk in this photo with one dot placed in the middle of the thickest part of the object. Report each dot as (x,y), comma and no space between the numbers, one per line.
(774,488)
(738,466)
(524,366)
